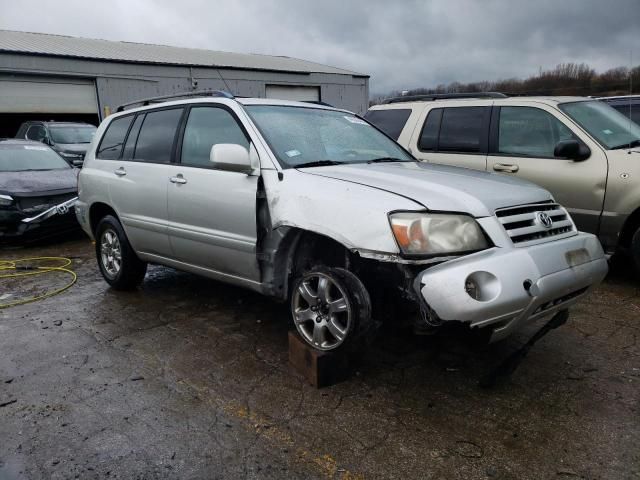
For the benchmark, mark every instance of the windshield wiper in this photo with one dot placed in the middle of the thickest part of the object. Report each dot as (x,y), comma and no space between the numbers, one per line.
(387,159)
(318,163)
(631,144)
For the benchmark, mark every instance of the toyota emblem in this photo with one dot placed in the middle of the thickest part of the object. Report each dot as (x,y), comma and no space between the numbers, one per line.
(544,219)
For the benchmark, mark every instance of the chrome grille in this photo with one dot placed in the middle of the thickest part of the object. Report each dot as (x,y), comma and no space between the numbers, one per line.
(524,227)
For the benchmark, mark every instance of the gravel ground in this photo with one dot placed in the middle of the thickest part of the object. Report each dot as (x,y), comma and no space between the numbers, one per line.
(189,378)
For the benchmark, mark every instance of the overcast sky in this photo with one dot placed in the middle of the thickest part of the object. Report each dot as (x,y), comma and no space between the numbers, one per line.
(401,44)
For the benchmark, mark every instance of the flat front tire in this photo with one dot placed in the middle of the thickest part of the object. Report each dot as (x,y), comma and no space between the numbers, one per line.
(118,263)
(331,309)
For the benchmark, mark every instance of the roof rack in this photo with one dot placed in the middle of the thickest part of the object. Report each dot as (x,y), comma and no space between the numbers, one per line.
(429,97)
(200,93)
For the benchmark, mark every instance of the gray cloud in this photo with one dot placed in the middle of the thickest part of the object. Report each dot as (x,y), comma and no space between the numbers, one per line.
(403,44)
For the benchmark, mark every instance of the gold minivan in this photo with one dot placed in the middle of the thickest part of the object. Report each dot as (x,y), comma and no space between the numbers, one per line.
(582,150)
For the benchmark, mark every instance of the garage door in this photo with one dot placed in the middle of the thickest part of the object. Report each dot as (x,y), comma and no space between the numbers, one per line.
(47,95)
(294,92)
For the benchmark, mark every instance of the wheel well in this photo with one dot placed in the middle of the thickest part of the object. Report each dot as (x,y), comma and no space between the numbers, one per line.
(99,211)
(299,250)
(629,228)
(314,249)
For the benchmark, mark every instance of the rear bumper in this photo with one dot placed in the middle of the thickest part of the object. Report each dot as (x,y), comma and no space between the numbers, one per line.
(513,285)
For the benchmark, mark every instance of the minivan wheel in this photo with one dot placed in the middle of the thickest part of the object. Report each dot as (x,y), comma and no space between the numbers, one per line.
(119,265)
(331,309)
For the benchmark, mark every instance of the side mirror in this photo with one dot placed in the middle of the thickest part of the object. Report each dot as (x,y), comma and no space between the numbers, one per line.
(571,149)
(231,157)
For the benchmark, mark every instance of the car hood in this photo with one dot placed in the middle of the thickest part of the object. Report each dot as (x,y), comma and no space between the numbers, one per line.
(37,182)
(440,187)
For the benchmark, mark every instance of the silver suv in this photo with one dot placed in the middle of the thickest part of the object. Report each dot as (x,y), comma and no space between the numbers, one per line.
(583,151)
(313,205)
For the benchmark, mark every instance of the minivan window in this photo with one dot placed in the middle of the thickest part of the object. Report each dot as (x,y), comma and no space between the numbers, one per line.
(208,126)
(461,129)
(300,135)
(158,131)
(429,134)
(608,126)
(529,131)
(390,121)
(112,140)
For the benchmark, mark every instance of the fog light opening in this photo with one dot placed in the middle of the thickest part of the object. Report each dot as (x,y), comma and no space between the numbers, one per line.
(482,286)
(472,289)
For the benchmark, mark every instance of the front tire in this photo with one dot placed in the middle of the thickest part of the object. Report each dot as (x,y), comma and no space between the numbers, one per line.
(119,264)
(331,309)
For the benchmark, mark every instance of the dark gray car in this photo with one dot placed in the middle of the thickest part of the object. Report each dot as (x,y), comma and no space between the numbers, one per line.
(70,140)
(37,192)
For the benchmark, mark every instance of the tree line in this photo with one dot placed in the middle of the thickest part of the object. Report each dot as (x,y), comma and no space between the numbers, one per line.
(565,79)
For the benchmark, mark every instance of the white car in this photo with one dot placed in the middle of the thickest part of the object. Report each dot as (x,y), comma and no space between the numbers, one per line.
(313,205)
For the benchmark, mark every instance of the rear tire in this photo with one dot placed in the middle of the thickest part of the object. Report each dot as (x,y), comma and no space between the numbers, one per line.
(635,250)
(331,309)
(118,263)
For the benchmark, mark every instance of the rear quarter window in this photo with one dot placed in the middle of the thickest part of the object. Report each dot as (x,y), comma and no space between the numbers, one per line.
(113,138)
(390,121)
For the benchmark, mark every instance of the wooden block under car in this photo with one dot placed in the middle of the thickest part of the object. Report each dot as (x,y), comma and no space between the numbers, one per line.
(321,369)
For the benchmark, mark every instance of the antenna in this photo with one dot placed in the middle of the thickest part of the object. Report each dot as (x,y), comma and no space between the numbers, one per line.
(223,80)
(630,91)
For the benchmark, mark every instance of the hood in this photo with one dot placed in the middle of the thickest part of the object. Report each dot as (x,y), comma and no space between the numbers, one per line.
(440,187)
(72,147)
(34,183)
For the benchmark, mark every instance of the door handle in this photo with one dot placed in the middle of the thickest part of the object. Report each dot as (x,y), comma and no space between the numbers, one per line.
(121,172)
(178,179)
(503,167)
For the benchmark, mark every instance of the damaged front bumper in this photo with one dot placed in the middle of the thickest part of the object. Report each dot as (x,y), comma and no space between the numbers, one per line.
(56,219)
(504,288)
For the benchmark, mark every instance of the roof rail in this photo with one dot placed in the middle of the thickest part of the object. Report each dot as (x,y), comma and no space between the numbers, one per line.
(200,93)
(429,97)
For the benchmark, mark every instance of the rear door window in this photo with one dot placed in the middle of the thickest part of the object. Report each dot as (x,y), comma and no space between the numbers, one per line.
(111,144)
(132,138)
(157,136)
(390,121)
(430,130)
(463,130)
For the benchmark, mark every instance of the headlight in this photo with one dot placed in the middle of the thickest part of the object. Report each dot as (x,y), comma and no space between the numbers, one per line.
(433,233)
(5,200)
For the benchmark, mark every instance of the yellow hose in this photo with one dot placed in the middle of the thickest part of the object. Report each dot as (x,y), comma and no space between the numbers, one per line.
(15,267)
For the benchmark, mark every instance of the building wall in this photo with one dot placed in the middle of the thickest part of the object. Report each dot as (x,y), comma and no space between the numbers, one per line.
(119,82)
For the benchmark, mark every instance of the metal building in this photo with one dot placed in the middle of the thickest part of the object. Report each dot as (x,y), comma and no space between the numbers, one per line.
(53,77)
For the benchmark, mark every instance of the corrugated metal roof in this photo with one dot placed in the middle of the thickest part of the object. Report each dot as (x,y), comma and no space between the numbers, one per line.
(88,48)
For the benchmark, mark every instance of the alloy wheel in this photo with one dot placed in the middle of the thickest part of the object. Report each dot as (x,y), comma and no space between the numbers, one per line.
(321,312)
(110,253)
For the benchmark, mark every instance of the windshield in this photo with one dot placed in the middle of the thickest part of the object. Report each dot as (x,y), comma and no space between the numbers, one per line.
(299,136)
(69,134)
(17,158)
(609,127)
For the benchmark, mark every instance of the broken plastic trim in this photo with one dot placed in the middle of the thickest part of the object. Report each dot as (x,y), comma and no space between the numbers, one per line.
(60,209)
